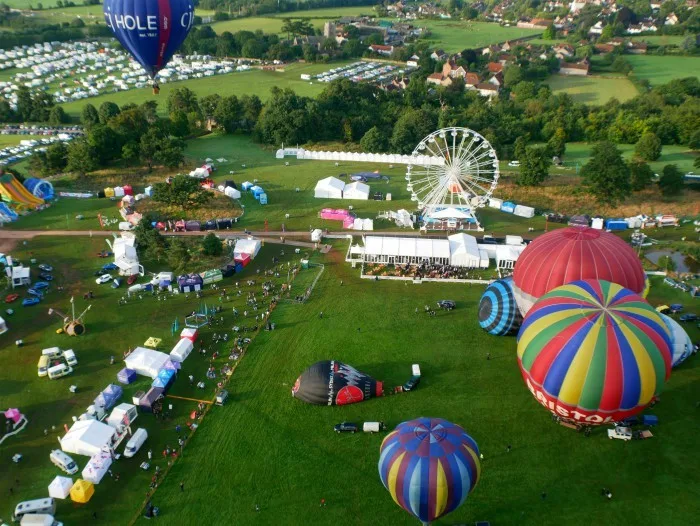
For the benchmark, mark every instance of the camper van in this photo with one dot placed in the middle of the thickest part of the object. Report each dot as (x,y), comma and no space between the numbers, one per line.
(47,506)
(59,371)
(135,442)
(69,355)
(43,366)
(52,352)
(39,519)
(63,462)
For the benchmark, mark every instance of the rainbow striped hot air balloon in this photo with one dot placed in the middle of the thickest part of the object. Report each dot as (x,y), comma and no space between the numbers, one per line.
(594,352)
(429,466)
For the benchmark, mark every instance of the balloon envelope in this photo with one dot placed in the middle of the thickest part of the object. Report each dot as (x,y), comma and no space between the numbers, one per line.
(334,383)
(569,254)
(594,352)
(681,344)
(429,466)
(498,312)
(151,30)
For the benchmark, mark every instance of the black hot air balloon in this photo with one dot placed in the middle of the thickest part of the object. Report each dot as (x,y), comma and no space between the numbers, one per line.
(334,383)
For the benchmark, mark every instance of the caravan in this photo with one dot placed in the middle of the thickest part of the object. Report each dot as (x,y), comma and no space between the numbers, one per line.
(63,462)
(59,371)
(47,506)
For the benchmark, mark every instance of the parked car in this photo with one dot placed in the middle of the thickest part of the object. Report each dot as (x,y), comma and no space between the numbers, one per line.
(45,276)
(35,292)
(345,427)
(446,304)
(676,308)
(684,287)
(11,297)
(620,433)
(514,164)
(670,281)
(28,302)
(45,267)
(101,272)
(412,383)
(104,278)
(40,285)
(110,266)
(688,317)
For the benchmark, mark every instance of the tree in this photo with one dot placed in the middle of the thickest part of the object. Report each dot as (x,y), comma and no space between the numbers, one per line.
(156,147)
(228,114)
(81,158)
(182,191)
(179,124)
(666,263)
(184,100)
(648,147)
(89,116)
(671,182)
(57,157)
(374,141)
(550,33)
(608,33)
(694,141)
(107,111)
(211,245)
(178,255)
(410,128)
(209,103)
(641,175)
(606,175)
(148,239)
(520,145)
(57,116)
(557,143)
(104,143)
(534,166)
(251,106)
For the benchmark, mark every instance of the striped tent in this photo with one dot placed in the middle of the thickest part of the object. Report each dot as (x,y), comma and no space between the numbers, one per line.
(594,352)
(429,466)
(498,312)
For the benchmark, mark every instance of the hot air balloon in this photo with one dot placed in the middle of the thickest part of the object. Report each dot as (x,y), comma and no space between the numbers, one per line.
(429,466)
(335,383)
(647,286)
(681,344)
(594,352)
(570,254)
(498,312)
(151,30)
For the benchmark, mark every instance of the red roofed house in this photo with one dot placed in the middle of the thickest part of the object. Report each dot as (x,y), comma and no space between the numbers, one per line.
(486,89)
(471,80)
(451,69)
(439,80)
(381,50)
(495,67)
(574,68)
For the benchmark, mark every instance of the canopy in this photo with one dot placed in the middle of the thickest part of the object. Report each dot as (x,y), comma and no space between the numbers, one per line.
(182,350)
(109,396)
(329,188)
(247,246)
(146,362)
(356,190)
(82,491)
(450,213)
(60,487)
(87,437)
(126,376)
(97,467)
(189,333)
(13,414)
(147,400)
(464,251)
(407,246)
(232,193)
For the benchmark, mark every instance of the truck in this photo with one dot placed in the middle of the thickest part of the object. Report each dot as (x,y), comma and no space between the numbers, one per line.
(620,433)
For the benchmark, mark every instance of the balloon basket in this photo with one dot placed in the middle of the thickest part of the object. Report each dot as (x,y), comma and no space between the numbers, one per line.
(156,90)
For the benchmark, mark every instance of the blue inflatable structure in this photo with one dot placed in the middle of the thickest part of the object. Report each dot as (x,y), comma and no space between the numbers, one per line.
(39,188)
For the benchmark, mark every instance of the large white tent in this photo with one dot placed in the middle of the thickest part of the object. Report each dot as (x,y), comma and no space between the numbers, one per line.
(182,350)
(329,188)
(146,362)
(356,190)
(87,437)
(402,250)
(248,246)
(97,467)
(464,251)
(60,487)
(232,192)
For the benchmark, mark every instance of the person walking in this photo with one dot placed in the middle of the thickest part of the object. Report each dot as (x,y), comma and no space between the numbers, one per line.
(182,487)
(488,355)
(150,454)
(323,503)
(508,448)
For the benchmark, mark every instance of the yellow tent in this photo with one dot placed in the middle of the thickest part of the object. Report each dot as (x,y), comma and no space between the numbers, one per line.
(82,491)
(109,192)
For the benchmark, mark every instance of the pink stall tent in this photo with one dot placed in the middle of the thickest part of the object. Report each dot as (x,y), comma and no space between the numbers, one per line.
(335,214)
(190,333)
(13,414)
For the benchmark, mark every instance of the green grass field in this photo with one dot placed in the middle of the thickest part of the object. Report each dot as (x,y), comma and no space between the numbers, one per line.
(265,448)
(454,35)
(660,70)
(239,83)
(679,155)
(330,13)
(660,40)
(593,90)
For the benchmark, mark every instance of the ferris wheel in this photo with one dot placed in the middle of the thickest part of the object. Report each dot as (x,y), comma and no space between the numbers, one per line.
(455,168)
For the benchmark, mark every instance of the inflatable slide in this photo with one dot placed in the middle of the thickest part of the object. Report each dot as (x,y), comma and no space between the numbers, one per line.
(39,188)
(14,192)
(7,214)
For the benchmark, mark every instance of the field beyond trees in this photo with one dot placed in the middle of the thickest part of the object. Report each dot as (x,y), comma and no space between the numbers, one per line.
(662,69)
(593,90)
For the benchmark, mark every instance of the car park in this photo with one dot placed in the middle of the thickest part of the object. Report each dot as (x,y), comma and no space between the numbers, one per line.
(345,427)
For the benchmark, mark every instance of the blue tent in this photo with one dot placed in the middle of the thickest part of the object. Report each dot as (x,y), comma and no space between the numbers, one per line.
(508,207)
(616,224)
(109,397)
(126,376)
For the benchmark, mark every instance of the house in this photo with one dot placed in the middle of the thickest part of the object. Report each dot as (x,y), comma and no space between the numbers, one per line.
(604,49)
(671,20)
(439,80)
(412,62)
(535,23)
(396,84)
(495,67)
(487,89)
(566,50)
(451,69)
(577,5)
(504,60)
(496,79)
(438,55)
(491,49)
(597,28)
(574,68)
(313,41)
(471,80)
(506,46)
(644,27)
(381,50)
(636,48)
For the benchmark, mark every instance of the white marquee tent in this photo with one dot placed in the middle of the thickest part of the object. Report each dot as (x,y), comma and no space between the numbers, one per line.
(232,192)
(146,362)
(97,467)
(329,188)
(401,250)
(60,487)
(87,437)
(464,251)
(182,350)
(248,246)
(356,190)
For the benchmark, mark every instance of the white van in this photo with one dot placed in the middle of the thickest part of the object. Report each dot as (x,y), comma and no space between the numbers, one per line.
(69,355)
(47,506)
(125,226)
(43,366)
(59,371)
(63,462)
(135,442)
(52,352)
(39,519)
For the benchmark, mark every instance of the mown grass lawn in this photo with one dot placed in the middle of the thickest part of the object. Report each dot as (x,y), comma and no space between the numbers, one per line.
(593,90)
(456,35)
(662,69)
(670,154)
